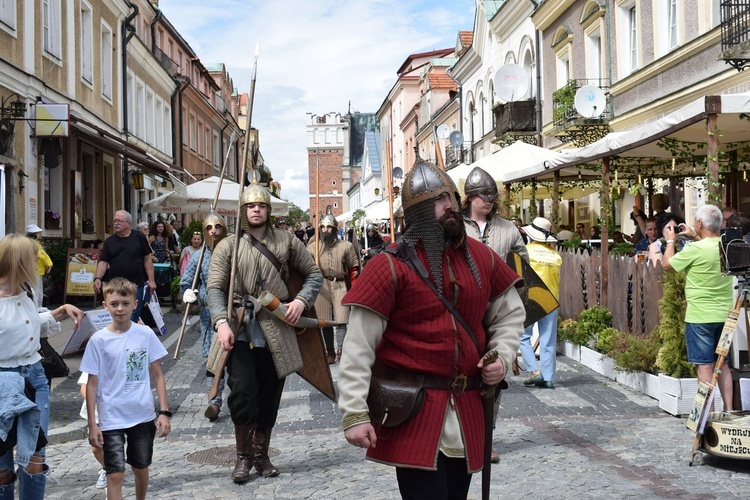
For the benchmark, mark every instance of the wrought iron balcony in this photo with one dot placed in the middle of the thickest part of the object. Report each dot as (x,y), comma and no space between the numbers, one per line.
(735,32)
(457,154)
(515,121)
(569,124)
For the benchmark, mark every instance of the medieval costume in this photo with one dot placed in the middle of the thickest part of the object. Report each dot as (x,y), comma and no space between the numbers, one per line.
(338,262)
(400,323)
(264,349)
(500,234)
(214,230)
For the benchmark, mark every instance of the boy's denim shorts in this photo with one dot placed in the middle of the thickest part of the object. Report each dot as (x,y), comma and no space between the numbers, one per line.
(702,339)
(140,439)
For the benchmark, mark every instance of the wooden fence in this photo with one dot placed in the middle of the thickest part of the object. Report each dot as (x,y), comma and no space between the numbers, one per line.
(633,290)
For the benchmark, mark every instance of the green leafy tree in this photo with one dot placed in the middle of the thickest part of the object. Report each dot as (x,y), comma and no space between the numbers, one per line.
(194,226)
(296,215)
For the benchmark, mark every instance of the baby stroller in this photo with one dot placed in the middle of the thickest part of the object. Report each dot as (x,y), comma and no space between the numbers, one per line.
(164,273)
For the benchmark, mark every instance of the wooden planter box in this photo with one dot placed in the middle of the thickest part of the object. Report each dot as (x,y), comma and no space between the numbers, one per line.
(646,383)
(50,223)
(598,362)
(676,395)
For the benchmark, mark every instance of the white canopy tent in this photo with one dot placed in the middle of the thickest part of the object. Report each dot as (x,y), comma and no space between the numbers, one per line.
(198,197)
(380,210)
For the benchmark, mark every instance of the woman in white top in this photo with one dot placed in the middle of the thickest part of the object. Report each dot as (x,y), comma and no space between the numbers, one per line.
(19,335)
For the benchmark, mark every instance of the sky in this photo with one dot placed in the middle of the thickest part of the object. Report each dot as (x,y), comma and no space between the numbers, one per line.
(316,56)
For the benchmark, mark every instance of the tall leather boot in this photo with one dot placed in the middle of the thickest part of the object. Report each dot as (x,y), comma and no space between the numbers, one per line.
(261,461)
(330,347)
(243,438)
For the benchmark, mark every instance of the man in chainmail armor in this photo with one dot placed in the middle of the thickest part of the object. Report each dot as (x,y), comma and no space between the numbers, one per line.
(400,329)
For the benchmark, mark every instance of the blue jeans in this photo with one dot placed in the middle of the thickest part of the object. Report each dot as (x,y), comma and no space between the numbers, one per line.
(31,486)
(547,347)
(701,340)
(143,296)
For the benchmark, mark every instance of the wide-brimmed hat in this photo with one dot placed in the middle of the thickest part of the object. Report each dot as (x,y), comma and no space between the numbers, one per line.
(33,228)
(540,230)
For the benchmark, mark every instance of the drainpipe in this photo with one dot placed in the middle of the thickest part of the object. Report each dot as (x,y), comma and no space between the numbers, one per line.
(157,18)
(127,33)
(177,96)
(221,140)
(538,97)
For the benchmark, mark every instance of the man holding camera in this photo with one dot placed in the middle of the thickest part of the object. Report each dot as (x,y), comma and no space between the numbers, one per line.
(709,294)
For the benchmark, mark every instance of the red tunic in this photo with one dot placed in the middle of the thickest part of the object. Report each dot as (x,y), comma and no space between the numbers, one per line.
(422,336)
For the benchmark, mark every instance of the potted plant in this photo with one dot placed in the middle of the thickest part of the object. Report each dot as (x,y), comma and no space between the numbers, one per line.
(51,219)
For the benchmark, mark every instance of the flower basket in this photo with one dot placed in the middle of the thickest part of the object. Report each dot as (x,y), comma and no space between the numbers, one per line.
(51,220)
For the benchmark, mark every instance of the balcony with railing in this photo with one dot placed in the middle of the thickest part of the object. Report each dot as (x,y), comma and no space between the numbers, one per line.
(458,154)
(515,121)
(570,125)
(735,32)
(166,62)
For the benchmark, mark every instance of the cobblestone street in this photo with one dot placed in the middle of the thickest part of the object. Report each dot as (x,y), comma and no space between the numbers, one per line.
(588,438)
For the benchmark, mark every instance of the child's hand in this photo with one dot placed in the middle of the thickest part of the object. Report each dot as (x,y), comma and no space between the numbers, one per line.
(163,426)
(95,436)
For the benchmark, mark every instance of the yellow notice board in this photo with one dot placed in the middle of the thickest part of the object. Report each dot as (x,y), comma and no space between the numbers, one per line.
(80,271)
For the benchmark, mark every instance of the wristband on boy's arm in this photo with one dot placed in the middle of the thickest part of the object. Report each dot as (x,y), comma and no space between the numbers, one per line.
(166,413)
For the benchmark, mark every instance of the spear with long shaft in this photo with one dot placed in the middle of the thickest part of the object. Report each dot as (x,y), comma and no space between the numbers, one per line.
(243,169)
(232,141)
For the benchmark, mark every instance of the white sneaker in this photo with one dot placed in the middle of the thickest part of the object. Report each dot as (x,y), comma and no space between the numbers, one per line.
(101,482)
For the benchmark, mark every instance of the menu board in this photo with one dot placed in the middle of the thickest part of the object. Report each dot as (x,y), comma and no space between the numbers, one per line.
(80,271)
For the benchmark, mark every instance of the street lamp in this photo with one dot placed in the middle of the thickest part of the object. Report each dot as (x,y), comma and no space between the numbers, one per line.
(13,110)
(137,177)
(377,191)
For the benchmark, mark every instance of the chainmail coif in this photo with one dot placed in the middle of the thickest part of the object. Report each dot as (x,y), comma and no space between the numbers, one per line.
(422,226)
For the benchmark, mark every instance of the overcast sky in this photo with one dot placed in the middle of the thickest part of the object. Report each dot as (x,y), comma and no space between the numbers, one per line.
(316,57)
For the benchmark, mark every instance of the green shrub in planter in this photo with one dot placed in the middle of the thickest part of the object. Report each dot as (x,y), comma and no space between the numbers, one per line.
(607,339)
(566,330)
(670,330)
(591,322)
(633,353)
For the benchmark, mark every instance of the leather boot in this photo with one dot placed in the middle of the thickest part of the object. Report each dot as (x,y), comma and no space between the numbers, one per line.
(261,461)
(330,347)
(243,438)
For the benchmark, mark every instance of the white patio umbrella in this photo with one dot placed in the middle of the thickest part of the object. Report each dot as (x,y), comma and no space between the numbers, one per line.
(198,198)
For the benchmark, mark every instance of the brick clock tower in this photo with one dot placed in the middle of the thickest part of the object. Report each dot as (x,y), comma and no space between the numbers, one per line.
(326,141)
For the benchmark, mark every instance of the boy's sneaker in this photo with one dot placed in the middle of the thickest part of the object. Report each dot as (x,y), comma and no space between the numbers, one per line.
(101,482)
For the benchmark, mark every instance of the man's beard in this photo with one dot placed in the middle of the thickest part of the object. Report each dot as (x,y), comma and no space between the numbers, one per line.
(328,237)
(255,225)
(451,224)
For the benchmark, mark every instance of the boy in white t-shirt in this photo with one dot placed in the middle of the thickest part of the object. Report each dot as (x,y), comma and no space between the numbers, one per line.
(117,359)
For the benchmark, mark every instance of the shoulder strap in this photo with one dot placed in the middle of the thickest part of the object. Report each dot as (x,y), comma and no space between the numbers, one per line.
(409,257)
(264,250)
(29,291)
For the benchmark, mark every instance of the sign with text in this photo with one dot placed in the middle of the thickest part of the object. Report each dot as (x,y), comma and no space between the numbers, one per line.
(92,322)
(80,271)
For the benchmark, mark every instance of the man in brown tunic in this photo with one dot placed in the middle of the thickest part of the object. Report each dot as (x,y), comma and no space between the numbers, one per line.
(337,260)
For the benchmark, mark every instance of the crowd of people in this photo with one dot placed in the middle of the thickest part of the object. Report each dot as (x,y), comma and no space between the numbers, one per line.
(441,311)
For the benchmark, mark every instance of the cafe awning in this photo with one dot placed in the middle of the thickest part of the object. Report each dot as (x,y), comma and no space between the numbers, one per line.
(91,133)
(644,146)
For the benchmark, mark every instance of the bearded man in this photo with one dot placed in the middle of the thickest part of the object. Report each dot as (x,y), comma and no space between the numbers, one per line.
(214,230)
(263,349)
(338,261)
(400,329)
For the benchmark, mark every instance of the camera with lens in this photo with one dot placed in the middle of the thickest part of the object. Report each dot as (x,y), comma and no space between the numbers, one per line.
(735,252)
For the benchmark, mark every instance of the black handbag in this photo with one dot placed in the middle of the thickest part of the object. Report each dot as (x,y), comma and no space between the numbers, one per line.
(391,402)
(54,365)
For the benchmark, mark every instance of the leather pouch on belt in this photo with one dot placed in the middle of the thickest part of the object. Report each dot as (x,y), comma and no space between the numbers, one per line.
(391,403)
(215,350)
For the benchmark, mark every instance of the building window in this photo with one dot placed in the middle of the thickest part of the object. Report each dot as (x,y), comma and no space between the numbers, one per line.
(167,129)
(594,56)
(191,128)
(217,150)
(87,43)
(150,118)
(633,40)
(51,21)
(672,24)
(333,183)
(140,109)
(159,121)
(107,50)
(8,13)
